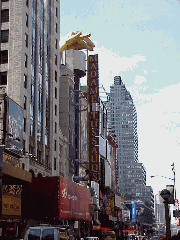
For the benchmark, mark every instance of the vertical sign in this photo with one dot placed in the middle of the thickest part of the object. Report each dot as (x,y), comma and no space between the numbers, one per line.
(133,208)
(93,115)
(71,130)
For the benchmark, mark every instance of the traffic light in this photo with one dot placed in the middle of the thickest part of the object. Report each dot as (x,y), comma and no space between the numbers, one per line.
(176,213)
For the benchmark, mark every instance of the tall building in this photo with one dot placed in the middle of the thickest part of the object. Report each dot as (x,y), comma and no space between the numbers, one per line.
(29,75)
(123,123)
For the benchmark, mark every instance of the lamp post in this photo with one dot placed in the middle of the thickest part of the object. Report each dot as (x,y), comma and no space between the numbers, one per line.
(165,194)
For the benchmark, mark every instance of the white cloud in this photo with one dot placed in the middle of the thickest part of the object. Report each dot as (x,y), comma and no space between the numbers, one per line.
(145,72)
(154,71)
(139,80)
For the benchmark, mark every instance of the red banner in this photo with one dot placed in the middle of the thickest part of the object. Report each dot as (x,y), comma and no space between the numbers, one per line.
(74,200)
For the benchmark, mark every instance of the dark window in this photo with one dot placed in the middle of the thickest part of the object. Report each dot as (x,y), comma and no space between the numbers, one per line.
(27,2)
(56,28)
(3,78)
(56,43)
(56,12)
(34,234)
(23,166)
(25,99)
(4,36)
(25,60)
(25,81)
(24,124)
(54,163)
(54,145)
(56,76)
(26,20)
(26,39)
(55,110)
(4,56)
(55,59)
(24,142)
(4,0)
(55,127)
(48,234)
(46,160)
(5,15)
(55,92)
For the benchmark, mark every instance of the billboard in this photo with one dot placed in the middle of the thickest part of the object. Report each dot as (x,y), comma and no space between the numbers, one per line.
(15,126)
(74,200)
(93,116)
(71,130)
(133,209)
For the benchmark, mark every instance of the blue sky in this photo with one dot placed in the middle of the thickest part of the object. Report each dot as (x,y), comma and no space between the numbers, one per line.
(139,40)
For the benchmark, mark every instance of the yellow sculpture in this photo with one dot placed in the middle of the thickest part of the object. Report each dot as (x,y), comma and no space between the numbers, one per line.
(77,41)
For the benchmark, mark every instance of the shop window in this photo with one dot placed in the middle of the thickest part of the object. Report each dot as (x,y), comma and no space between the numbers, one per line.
(5,15)
(4,36)
(4,56)
(3,78)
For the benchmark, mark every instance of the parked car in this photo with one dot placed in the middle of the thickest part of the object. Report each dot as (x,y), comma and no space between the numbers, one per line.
(46,233)
(91,238)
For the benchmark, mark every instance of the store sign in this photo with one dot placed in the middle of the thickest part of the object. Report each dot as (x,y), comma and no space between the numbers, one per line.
(93,115)
(95,189)
(11,205)
(7,158)
(74,200)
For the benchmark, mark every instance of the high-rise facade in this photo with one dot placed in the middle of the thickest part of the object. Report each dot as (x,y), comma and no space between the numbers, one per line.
(123,123)
(29,75)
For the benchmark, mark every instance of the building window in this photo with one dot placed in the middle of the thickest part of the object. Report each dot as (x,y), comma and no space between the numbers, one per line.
(55,127)
(4,0)
(27,2)
(25,81)
(4,36)
(56,76)
(54,145)
(46,160)
(55,110)
(5,15)
(56,28)
(26,39)
(25,100)
(55,92)
(24,124)
(26,20)
(24,142)
(56,43)
(56,12)
(54,163)
(3,78)
(25,60)
(4,56)
(55,59)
